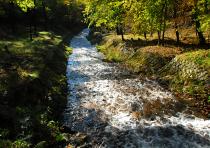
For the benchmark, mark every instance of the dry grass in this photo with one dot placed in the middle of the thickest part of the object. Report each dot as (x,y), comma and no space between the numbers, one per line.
(163,51)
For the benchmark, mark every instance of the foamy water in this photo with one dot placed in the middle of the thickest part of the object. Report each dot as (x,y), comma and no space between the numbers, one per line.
(117,109)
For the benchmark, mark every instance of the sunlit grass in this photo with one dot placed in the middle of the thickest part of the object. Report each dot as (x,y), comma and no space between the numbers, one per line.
(112,52)
(28,74)
(68,50)
(201,57)
(146,58)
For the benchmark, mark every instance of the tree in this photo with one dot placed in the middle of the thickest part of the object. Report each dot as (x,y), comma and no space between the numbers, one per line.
(196,14)
(106,13)
(205,16)
(175,9)
(144,16)
(150,15)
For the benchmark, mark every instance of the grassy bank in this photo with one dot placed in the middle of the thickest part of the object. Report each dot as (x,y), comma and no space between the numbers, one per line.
(33,90)
(181,70)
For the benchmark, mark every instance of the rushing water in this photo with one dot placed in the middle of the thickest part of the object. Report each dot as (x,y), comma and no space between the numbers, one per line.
(117,109)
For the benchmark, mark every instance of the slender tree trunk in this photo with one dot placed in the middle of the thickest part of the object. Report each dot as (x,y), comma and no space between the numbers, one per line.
(175,22)
(161,23)
(159,39)
(120,29)
(196,32)
(177,36)
(202,40)
(117,30)
(164,22)
(122,35)
(145,35)
(151,34)
(34,17)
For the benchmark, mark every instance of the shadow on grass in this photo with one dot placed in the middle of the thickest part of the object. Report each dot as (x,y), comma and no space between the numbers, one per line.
(32,83)
(168,42)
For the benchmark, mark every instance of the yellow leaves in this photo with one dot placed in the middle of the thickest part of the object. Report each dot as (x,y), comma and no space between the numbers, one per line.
(66,2)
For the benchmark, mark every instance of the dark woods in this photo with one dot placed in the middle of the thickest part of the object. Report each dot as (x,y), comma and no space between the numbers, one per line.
(31,16)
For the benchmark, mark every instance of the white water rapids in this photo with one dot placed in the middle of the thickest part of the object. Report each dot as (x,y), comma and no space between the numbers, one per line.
(118,109)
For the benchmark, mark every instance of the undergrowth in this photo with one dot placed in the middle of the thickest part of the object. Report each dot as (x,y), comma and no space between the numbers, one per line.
(33,90)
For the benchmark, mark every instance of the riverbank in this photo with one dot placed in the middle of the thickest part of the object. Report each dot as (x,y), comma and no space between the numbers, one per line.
(183,71)
(33,89)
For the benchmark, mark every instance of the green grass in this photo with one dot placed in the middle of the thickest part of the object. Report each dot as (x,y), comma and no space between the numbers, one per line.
(111,54)
(68,50)
(194,83)
(146,62)
(200,57)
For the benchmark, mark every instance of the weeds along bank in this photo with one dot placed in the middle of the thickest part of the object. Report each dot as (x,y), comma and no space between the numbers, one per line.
(182,71)
(33,90)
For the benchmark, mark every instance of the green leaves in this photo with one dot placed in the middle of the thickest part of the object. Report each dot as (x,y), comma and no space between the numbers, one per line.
(204,7)
(25,4)
(144,15)
(104,13)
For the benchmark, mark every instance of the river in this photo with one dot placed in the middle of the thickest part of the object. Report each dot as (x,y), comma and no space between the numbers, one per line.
(118,109)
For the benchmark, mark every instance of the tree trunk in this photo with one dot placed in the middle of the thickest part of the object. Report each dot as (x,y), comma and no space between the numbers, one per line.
(202,40)
(117,30)
(175,22)
(34,18)
(159,40)
(120,29)
(177,36)
(145,35)
(164,22)
(151,34)
(122,35)
(161,23)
